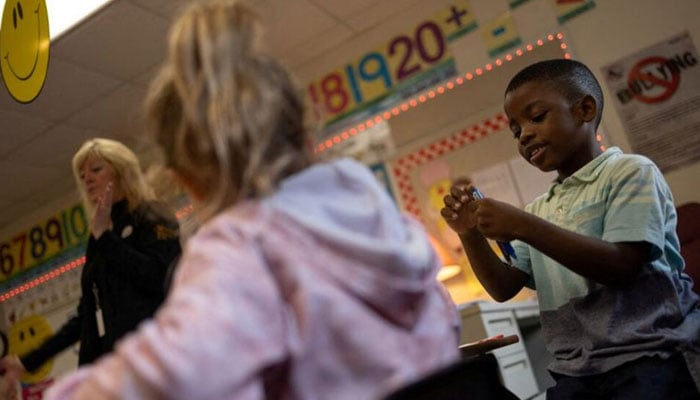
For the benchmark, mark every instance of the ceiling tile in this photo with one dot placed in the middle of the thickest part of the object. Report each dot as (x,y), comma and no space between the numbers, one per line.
(113,113)
(289,23)
(164,8)
(343,9)
(392,18)
(121,40)
(318,46)
(38,172)
(37,205)
(18,129)
(144,80)
(379,12)
(13,209)
(68,88)
(19,179)
(53,148)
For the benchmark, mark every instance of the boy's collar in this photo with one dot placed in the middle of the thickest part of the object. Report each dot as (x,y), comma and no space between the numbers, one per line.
(589,172)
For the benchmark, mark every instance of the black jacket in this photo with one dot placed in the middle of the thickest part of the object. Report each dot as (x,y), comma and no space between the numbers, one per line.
(124,273)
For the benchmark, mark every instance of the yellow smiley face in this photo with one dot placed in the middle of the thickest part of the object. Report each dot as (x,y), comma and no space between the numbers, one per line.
(26,335)
(438,191)
(24,48)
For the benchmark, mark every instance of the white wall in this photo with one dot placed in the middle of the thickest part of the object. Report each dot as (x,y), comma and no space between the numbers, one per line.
(616,28)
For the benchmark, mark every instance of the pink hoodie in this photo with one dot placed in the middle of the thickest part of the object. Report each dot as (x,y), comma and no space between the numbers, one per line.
(322,291)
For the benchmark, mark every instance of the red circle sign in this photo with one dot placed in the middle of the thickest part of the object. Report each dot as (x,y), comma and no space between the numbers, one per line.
(638,76)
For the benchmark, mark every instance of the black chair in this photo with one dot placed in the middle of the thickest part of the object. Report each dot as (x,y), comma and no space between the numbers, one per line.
(688,229)
(474,378)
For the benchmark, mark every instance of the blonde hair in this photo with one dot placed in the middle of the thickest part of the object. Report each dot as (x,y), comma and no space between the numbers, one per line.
(226,115)
(127,170)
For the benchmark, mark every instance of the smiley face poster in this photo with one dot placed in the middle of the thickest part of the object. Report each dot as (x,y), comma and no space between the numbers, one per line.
(24,48)
(26,335)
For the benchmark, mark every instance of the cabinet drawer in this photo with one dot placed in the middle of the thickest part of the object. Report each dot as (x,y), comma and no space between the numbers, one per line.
(517,375)
(500,323)
(472,328)
(503,323)
(478,326)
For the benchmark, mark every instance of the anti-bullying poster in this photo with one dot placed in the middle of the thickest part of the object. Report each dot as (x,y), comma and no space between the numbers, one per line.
(656,92)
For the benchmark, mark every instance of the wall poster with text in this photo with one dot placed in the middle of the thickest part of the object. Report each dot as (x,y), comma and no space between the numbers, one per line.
(656,93)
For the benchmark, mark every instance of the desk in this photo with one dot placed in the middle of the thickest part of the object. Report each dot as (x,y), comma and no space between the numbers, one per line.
(522,365)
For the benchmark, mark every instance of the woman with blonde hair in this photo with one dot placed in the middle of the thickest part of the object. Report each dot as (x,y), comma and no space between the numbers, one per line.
(127,175)
(304,280)
(133,240)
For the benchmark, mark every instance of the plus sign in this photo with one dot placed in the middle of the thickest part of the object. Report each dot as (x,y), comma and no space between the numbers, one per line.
(456,16)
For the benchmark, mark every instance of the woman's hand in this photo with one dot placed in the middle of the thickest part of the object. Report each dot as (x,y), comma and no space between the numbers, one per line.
(102,220)
(11,369)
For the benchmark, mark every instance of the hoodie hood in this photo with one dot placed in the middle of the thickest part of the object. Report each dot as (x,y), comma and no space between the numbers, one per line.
(343,205)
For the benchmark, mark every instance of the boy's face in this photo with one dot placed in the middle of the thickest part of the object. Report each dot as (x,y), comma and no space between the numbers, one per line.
(546,124)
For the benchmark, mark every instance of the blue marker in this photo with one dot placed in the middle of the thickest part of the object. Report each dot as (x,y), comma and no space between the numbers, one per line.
(506,248)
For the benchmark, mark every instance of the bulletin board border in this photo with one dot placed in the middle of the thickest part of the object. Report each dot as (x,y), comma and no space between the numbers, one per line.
(401,168)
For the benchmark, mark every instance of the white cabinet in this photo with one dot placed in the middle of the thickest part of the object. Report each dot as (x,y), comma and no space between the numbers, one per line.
(482,319)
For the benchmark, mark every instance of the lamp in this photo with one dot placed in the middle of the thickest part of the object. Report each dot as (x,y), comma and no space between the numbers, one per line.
(450,267)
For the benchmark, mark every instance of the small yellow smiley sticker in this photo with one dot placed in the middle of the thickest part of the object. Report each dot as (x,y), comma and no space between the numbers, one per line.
(24,48)
(26,335)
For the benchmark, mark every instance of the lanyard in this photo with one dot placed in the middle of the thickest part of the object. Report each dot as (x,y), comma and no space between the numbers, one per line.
(98,312)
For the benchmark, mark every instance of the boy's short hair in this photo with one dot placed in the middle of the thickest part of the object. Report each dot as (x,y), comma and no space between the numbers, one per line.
(571,78)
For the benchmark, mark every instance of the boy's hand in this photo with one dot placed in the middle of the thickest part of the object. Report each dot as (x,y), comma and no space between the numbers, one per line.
(498,220)
(459,207)
(493,219)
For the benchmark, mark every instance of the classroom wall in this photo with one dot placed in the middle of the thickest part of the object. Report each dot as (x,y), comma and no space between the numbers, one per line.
(616,28)
(610,31)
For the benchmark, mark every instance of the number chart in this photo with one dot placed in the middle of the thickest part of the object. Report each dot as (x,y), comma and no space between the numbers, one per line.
(43,241)
(406,60)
